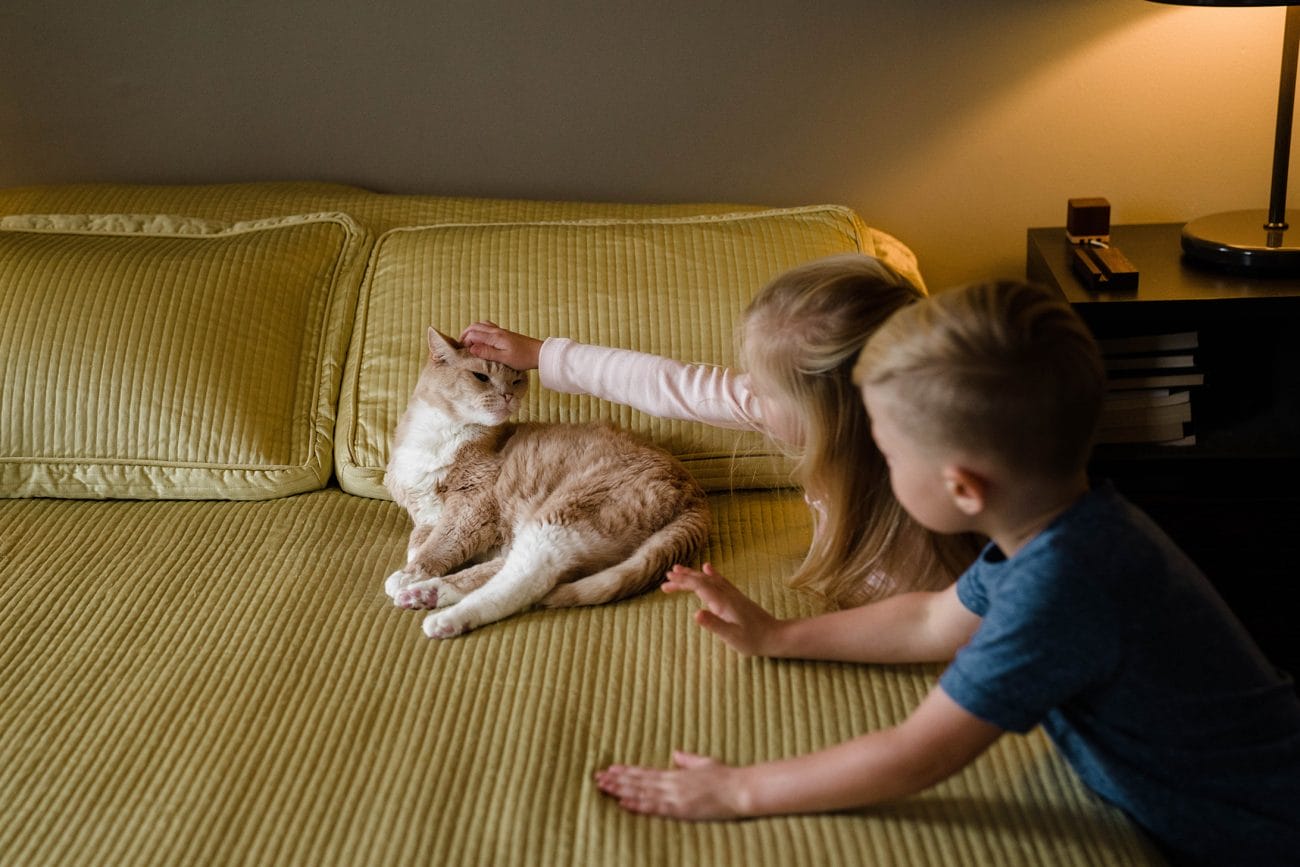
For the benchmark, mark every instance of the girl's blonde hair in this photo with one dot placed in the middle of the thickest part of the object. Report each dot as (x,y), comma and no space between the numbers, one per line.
(800,338)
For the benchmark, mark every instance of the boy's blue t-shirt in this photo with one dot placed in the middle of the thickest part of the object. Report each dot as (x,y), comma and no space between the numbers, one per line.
(1104,632)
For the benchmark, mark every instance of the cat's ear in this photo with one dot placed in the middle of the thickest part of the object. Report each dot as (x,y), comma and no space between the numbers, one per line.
(441,347)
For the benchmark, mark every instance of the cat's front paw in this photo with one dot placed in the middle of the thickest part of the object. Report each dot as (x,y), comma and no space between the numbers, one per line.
(397,582)
(445,624)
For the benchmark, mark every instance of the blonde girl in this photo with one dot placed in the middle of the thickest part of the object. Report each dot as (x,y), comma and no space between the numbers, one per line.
(799,338)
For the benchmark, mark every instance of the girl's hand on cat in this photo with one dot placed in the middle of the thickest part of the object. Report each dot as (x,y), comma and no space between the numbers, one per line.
(491,341)
(695,787)
(727,613)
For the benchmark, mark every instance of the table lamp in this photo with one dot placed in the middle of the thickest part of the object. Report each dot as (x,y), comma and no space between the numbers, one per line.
(1257,241)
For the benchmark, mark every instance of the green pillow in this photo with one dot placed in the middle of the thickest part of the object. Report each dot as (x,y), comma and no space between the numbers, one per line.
(669,286)
(148,356)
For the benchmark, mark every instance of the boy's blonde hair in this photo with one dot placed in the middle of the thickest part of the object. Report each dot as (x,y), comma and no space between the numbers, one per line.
(1006,371)
(800,337)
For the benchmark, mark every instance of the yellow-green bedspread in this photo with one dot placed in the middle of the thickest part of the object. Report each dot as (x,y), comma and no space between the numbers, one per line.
(226,683)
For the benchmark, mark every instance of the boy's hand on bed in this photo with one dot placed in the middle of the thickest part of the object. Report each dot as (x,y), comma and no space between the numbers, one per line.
(695,787)
(491,341)
(727,613)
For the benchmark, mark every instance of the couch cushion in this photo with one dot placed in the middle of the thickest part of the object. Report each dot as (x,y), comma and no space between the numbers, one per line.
(669,286)
(165,357)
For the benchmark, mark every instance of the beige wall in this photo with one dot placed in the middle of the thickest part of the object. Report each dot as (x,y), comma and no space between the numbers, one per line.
(953,125)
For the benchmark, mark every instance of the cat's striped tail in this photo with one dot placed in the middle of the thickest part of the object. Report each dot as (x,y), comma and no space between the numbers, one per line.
(675,542)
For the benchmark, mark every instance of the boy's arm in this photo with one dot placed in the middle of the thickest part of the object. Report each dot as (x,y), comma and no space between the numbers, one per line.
(936,741)
(910,627)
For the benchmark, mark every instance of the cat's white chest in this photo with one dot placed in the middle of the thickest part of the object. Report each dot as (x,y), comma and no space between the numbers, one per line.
(421,461)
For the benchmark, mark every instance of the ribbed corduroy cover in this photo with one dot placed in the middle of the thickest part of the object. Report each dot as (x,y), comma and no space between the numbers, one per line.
(226,683)
(668,286)
(151,357)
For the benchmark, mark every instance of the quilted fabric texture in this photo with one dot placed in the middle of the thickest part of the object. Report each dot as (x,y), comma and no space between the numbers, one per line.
(160,357)
(671,286)
(230,686)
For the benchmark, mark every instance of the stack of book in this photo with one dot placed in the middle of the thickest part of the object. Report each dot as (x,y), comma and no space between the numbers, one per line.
(1149,382)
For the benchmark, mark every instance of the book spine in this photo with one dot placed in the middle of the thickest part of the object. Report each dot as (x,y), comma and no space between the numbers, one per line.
(1149,382)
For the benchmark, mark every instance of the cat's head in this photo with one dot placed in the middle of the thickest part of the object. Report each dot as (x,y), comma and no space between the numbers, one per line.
(469,389)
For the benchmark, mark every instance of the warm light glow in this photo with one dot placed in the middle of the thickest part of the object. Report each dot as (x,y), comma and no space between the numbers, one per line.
(1169,118)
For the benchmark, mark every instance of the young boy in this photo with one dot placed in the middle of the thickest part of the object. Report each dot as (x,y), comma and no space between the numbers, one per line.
(1080,614)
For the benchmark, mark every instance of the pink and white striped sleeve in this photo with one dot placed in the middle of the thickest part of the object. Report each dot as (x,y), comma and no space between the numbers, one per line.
(651,383)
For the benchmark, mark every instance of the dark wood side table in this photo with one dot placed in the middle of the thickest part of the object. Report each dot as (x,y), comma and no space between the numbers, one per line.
(1231,500)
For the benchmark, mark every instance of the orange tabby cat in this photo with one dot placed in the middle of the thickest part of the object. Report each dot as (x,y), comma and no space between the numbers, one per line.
(510,515)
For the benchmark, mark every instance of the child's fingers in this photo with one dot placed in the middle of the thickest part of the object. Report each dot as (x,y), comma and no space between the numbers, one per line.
(481,341)
(623,780)
(686,578)
(682,578)
(475,331)
(717,594)
(640,790)
(714,601)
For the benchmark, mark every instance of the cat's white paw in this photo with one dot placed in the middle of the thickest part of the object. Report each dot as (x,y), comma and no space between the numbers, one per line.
(422,596)
(397,582)
(445,624)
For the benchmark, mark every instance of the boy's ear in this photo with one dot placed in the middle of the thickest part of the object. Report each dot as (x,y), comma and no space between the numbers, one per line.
(442,349)
(967,490)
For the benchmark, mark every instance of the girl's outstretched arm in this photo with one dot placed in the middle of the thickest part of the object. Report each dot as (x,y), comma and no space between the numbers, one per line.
(653,384)
(936,741)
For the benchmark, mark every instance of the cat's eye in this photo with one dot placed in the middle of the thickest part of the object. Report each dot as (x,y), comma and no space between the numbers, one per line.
(517,382)
(481,377)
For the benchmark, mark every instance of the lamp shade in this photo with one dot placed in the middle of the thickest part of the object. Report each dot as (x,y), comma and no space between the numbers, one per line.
(1262,242)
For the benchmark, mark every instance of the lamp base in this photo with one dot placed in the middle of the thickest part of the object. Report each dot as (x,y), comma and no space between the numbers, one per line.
(1237,240)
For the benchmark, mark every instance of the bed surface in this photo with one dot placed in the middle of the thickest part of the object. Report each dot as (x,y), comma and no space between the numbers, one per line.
(226,683)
